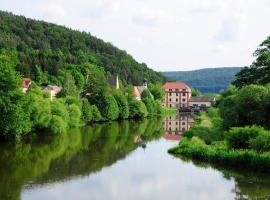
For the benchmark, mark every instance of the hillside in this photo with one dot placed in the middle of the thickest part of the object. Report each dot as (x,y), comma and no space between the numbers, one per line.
(45,47)
(206,80)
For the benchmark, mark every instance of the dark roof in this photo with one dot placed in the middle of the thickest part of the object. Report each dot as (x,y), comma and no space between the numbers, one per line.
(202,99)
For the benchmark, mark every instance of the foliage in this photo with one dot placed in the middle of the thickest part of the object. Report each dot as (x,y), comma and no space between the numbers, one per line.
(44,49)
(122,105)
(87,111)
(137,109)
(195,92)
(96,114)
(156,91)
(15,118)
(246,106)
(238,138)
(108,107)
(259,71)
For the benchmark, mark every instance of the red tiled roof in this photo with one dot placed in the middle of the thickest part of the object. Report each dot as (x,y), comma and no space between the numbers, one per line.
(175,85)
(136,92)
(26,82)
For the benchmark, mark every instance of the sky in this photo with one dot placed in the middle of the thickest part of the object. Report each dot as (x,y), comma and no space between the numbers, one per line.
(171,35)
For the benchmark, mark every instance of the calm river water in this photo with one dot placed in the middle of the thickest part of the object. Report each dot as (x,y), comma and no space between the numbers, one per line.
(120,161)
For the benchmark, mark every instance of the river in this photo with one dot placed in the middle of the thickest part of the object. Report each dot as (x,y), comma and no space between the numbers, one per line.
(119,161)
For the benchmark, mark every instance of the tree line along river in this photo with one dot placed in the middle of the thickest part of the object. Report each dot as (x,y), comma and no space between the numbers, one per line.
(119,160)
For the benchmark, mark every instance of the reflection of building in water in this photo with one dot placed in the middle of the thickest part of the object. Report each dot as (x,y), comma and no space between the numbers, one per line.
(177,125)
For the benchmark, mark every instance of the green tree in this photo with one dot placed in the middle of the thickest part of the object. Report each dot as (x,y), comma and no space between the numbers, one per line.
(14,110)
(122,105)
(108,107)
(156,91)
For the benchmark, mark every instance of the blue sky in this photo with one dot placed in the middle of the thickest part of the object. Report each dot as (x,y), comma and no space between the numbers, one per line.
(167,35)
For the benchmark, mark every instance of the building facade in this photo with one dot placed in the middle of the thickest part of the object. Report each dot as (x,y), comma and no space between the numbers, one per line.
(176,125)
(177,95)
(202,102)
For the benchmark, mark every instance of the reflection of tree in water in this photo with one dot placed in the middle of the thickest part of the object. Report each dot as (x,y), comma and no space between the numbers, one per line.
(77,153)
(248,185)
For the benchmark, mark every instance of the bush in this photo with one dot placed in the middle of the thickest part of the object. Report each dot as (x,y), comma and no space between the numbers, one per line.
(122,105)
(57,125)
(261,142)
(239,138)
(87,112)
(96,114)
(137,109)
(150,106)
(108,107)
(74,115)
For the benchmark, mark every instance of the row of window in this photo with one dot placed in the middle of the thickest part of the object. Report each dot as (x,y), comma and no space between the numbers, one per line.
(176,100)
(183,105)
(183,117)
(176,123)
(183,129)
(183,94)
(177,89)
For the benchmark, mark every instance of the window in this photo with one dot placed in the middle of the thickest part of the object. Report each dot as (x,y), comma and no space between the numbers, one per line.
(170,105)
(183,117)
(170,99)
(184,94)
(170,94)
(170,117)
(183,129)
(176,123)
(176,89)
(170,89)
(183,123)
(170,129)
(184,89)
(170,123)
(176,99)
(183,100)
(176,129)
(176,94)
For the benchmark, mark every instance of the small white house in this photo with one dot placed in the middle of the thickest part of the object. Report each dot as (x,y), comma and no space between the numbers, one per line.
(52,90)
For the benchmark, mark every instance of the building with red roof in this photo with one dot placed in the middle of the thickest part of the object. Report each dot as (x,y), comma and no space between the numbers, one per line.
(177,95)
(26,82)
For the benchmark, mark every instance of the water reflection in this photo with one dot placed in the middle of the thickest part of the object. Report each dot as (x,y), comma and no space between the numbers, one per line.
(125,160)
(176,125)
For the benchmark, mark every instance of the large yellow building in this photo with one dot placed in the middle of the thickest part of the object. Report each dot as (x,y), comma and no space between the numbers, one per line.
(177,95)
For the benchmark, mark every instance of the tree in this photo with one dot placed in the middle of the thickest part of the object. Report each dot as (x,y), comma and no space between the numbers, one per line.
(195,92)
(108,107)
(137,109)
(259,71)
(68,86)
(156,91)
(87,111)
(14,113)
(122,105)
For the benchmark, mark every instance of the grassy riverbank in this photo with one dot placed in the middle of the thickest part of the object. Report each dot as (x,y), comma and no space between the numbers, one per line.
(245,147)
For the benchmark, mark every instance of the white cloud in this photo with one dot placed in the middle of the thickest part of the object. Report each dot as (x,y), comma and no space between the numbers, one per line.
(167,35)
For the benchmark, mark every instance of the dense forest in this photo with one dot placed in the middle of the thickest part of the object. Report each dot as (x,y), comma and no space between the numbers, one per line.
(208,80)
(48,48)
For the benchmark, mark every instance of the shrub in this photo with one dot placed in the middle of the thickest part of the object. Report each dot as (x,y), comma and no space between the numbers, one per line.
(261,142)
(74,115)
(239,138)
(57,125)
(122,105)
(137,109)
(87,112)
(96,114)
(108,107)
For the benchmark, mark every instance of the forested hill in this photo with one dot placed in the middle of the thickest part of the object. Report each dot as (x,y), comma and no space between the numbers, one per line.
(206,80)
(46,48)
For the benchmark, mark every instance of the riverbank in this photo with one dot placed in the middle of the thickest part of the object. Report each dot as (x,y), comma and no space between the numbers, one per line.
(243,148)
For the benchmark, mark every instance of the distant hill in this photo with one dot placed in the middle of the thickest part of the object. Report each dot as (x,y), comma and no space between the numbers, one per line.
(206,80)
(48,48)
